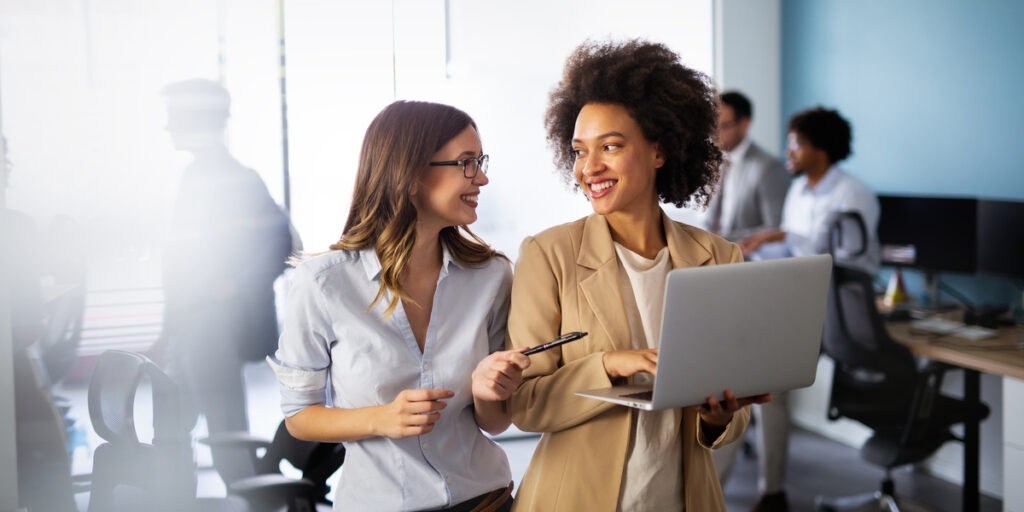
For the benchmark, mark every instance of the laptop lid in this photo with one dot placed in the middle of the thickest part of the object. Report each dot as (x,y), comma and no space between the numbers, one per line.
(753,328)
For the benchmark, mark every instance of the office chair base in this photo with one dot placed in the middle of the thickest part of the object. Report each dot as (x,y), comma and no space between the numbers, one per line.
(876,501)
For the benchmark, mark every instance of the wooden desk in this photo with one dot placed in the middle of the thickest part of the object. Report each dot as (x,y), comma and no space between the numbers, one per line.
(999,356)
(1002,355)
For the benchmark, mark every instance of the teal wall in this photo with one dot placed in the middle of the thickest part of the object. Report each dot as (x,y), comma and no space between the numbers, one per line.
(934,91)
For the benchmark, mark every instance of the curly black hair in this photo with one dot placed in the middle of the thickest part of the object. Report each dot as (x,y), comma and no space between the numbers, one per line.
(674,105)
(826,130)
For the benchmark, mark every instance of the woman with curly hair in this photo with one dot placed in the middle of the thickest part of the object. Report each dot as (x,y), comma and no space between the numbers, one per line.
(630,126)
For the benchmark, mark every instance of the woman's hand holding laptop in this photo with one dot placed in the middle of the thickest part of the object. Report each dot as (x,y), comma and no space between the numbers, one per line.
(719,413)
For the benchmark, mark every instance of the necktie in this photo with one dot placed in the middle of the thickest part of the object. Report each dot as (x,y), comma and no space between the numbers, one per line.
(716,208)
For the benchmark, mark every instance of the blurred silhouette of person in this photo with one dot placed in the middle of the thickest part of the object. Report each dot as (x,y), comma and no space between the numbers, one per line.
(753,187)
(227,242)
(44,466)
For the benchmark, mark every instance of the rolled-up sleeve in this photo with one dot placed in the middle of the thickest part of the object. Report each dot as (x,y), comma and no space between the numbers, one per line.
(303,355)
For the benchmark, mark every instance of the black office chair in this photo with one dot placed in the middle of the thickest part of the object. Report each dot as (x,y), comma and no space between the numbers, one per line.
(131,475)
(877,383)
(56,352)
(127,473)
(266,485)
(65,263)
(63,334)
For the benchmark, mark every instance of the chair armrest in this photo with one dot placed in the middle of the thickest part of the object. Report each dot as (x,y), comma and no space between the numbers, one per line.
(235,440)
(266,489)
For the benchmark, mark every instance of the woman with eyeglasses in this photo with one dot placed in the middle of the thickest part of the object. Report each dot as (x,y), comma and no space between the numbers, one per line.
(630,126)
(391,342)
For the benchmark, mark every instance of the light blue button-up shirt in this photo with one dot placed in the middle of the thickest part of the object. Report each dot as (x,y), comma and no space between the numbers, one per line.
(808,214)
(333,352)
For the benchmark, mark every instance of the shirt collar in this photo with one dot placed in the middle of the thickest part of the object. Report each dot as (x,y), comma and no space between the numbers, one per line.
(737,152)
(448,260)
(829,181)
(371,263)
(372,266)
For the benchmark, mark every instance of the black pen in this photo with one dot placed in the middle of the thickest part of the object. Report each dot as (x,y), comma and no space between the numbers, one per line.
(565,338)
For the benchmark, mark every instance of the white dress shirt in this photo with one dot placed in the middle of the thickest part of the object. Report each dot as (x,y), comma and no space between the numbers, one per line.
(329,337)
(730,182)
(808,214)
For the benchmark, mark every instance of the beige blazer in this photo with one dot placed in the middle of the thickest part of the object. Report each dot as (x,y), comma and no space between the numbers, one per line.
(567,279)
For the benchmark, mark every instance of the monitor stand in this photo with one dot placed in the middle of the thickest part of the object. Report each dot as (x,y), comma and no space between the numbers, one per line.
(932,294)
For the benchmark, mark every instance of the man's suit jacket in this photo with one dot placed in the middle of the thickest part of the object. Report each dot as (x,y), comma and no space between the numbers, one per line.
(567,279)
(760,188)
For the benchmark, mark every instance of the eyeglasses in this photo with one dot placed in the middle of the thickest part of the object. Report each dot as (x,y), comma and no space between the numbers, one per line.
(470,166)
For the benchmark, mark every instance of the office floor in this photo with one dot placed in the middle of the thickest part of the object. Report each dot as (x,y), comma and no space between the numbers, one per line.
(817,466)
(821,467)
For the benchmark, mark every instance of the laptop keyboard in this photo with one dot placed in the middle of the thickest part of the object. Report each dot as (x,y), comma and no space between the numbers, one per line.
(643,395)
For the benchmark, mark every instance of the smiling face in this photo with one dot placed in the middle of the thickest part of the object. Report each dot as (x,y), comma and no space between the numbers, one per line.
(444,196)
(615,164)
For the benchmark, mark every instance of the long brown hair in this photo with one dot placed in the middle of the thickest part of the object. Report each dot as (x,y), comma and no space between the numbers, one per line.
(396,149)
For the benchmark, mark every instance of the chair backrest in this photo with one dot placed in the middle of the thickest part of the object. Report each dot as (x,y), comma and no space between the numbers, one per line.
(163,470)
(112,387)
(843,221)
(872,371)
(854,332)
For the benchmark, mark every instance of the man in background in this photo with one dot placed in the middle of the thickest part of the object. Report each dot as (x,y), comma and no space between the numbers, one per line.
(753,185)
(818,139)
(227,242)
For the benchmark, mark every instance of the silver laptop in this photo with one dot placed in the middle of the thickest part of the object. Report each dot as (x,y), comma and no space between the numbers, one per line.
(752,327)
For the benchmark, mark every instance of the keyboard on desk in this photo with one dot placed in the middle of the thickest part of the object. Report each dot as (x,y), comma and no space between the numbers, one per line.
(945,327)
(643,395)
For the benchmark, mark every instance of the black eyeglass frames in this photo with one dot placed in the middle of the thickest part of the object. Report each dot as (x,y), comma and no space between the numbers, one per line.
(470,166)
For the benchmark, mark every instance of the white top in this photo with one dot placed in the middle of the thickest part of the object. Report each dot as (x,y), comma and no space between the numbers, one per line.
(809,212)
(730,181)
(328,337)
(653,479)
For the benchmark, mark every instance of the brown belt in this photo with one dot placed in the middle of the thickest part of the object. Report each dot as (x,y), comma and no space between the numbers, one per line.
(490,502)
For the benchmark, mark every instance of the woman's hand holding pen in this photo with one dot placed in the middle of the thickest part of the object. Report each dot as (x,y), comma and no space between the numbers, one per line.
(719,413)
(412,413)
(498,375)
(625,363)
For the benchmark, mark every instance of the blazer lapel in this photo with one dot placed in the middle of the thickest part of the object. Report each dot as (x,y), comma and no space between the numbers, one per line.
(683,248)
(602,287)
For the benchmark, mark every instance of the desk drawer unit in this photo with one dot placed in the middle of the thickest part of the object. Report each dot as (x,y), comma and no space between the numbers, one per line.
(1013,444)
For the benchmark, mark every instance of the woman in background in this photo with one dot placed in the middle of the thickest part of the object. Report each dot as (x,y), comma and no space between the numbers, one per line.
(383,333)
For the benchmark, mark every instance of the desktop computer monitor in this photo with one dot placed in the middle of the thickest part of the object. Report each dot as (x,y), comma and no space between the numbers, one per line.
(1001,238)
(934,234)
